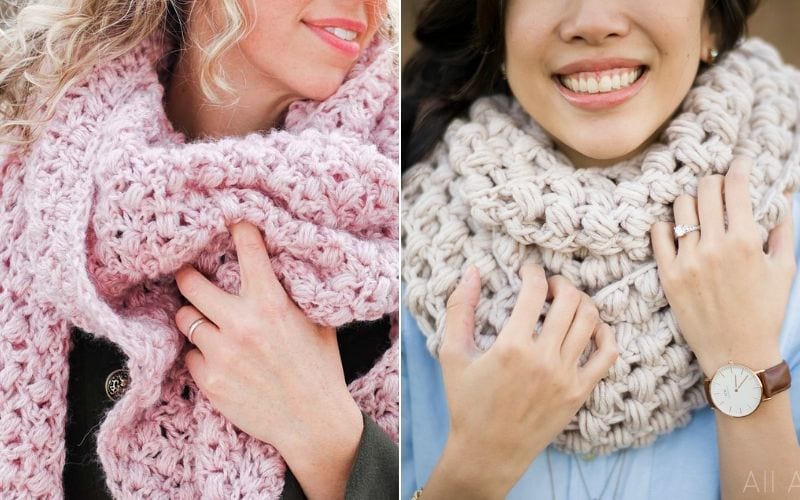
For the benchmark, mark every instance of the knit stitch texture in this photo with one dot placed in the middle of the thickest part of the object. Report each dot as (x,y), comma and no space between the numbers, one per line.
(496,193)
(111,201)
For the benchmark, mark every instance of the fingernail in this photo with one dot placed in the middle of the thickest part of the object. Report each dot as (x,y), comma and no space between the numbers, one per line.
(471,275)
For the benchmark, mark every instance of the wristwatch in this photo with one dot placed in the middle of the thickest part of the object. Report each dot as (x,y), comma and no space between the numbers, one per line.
(737,391)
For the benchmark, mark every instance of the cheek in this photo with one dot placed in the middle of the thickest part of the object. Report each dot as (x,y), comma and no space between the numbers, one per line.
(293,63)
(525,68)
(286,54)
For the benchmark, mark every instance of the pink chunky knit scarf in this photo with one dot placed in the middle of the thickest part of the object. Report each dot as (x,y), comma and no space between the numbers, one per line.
(111,201)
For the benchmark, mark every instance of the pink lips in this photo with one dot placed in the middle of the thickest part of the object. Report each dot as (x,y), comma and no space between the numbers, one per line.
(351,48)
(600,100)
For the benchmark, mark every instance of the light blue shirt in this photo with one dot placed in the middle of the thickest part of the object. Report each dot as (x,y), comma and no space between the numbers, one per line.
(683,464)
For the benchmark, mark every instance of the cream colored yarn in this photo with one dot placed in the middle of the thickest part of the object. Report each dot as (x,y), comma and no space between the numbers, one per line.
(495,193)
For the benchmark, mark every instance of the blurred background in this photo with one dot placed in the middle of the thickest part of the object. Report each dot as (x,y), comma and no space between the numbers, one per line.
(777,21)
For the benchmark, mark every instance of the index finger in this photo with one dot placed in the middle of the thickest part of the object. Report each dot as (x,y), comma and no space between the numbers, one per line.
(526,311)
(255,267)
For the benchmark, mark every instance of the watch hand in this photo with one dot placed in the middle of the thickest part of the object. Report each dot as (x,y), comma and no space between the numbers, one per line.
(740,384)
(735,384)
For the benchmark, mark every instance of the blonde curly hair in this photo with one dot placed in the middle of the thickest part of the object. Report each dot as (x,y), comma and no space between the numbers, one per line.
(47,45)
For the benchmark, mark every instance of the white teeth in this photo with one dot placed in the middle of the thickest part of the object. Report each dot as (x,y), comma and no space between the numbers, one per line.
(601,81)
(342,33)
(605,83)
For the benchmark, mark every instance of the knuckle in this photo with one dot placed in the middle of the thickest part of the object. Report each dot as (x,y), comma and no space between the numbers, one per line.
(189,286)
(508,353)
(250,330)
(612,352)
(689,271)
(544,367)
(571,294)
(556,281)
(271,306)
(673,277)
(251,245)
(745,242)
(182,315)
(684,199)
(709,253)
(588,311)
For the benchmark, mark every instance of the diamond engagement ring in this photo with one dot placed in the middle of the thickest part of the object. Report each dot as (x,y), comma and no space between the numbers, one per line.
(684,229)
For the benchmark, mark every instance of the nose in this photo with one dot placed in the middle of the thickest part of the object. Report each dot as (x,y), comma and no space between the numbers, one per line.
(593,21)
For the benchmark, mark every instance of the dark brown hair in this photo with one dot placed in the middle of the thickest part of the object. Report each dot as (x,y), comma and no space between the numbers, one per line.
(461,50)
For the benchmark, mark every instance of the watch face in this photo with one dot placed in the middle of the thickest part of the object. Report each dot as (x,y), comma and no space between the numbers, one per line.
(736,390)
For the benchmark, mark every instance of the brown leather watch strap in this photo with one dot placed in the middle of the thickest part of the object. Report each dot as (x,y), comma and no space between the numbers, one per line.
(775,379)
(707,387)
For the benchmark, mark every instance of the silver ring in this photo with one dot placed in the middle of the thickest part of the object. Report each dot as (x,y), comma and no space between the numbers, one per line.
(193,327)
(684,229)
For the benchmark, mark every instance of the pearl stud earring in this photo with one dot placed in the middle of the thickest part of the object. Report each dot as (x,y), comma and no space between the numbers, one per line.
(712,55)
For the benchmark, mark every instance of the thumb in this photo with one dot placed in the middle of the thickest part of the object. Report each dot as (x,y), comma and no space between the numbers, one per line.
(459,325)
(781,239)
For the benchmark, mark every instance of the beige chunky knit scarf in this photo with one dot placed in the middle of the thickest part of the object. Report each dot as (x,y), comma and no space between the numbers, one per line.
(496,193)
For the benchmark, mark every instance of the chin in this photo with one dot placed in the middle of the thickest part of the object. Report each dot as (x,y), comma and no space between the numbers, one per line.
(608,155)
(598,150)
(320,87)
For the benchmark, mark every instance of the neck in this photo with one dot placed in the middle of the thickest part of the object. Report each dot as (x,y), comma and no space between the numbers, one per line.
(261,103)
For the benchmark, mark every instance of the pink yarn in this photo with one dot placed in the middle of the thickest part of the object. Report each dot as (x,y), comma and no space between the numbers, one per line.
(111,202)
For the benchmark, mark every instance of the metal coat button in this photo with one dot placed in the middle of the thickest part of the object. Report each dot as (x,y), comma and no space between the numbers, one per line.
(117,384)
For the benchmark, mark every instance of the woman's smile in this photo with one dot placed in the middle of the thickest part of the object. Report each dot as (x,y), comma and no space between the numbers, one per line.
(597,84)
(340,33)
(617,67)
